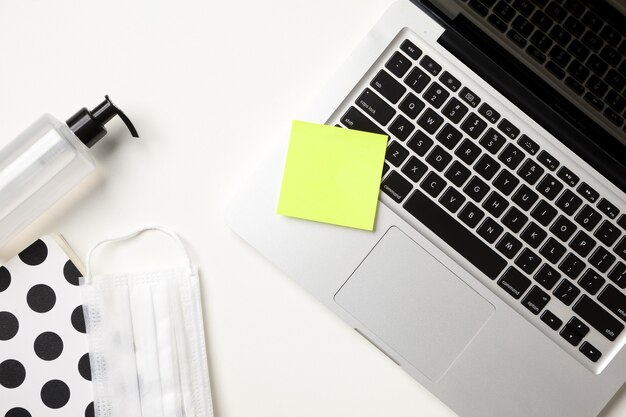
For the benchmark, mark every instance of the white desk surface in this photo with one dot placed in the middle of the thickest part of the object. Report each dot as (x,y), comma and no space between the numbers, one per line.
(204,82)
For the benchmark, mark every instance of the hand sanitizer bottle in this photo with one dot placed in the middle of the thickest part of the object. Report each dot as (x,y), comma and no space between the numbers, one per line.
(46,161)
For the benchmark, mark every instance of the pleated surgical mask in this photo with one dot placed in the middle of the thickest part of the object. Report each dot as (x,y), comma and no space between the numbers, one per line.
(146,336)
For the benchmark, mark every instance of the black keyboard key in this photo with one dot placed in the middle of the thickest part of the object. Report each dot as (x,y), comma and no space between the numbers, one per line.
(401,127)
(574,26)
(411,106)
(486,167)
(574,85)
(497,23)
(555,11)
(420,143)
(528,261)
(414,169)
(488,113)
(588,218)
(620,248)
(560,57)
(610,35)
(536,54)
(590,352)
(544,213)
(533,235)
(579,50)
(610,55)
(375,107)
(476,189)
(622,221)
(430,121)
(469,97)
(449,136)
(504,11)
(514,219)
(597,65)
(574,7)
(528,144)
(354,119)
(452,199)
(457,173)
(430,65)
(572,266)
(552,250)
(563,228)
(577,70)
(556,70)
(571,336)
(473,125)
(396,153)
(607,233)
(517,38)
(542,20)
(615,101)
(608,208)
(592,21)
(612,116)
(509,245)
(525,7)
(547,277)
(433,184)
(465,242)
(386,168)
(541,41)
(505,182)
(614,300)
(449,81)
(568,176)
(560,35)
(387,86)
(396,186)
(536,300)
(471,215)
(495,204)
(438,158)
(490,230)
(417,80)
(587,192)
(591,281)
(548,160)
(410,49)
(493,141)
(582,244)
(566,292)
(602,259)
(398,64)
(615,80)
(523,26)
(454,110)
(524,197)
(592,41)
(551,320)
(480,8)
(436,95)
(618,275)
(530,171)
(598,317)
(550,187)
(467,151)
(595,102)
(569,202)
(578,326)
(514,282)
(511,156)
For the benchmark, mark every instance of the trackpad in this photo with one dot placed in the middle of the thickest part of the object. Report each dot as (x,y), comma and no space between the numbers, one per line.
(412,302)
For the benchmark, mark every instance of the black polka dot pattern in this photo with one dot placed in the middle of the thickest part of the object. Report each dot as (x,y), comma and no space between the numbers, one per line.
(41,298)
(71,273)
(55,394)
(84,367)
(35,254)
(48,346)
(12,373)
(9,325)
(89,411)
(17,412)
(5,278)
(78,320)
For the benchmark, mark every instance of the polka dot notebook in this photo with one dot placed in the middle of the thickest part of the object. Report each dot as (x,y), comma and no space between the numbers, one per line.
(44,365)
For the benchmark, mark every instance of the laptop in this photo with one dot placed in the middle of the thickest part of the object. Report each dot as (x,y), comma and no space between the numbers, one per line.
(496,272)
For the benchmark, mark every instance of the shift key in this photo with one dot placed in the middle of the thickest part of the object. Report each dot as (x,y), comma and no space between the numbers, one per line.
(598,317)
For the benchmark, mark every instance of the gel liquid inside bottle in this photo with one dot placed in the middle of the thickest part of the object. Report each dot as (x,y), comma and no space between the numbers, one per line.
(46,161)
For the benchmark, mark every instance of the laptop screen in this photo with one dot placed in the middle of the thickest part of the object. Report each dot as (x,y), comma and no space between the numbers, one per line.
(569,54)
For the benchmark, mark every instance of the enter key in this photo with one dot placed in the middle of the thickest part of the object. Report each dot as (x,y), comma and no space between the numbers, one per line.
(614,300)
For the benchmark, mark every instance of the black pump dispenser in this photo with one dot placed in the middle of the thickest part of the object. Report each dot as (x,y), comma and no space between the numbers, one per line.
(88,126)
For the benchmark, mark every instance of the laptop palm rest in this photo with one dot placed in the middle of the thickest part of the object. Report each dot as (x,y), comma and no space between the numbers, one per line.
(414,304)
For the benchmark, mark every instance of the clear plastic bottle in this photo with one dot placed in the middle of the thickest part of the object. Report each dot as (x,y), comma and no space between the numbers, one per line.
(46,161)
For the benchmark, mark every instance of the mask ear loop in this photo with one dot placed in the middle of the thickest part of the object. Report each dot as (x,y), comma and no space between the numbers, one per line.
(132,235)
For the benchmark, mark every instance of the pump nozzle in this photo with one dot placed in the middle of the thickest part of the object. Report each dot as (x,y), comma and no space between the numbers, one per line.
(88,126)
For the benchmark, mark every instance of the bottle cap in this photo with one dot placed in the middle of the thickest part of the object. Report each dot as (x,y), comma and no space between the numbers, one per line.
(88,126)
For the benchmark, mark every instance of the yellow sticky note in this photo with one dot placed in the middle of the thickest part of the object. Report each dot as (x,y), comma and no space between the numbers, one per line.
(332,175)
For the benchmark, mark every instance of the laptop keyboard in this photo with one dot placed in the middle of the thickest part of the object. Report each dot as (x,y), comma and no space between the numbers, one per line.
(517,212)
(577,46)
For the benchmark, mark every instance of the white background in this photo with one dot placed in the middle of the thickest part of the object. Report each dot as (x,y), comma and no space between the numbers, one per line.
(204,83)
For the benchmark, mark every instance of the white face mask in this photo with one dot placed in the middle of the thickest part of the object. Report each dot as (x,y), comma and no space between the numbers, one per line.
(146,336)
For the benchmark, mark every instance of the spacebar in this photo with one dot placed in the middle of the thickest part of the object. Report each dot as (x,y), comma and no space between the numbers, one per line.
(455,234)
